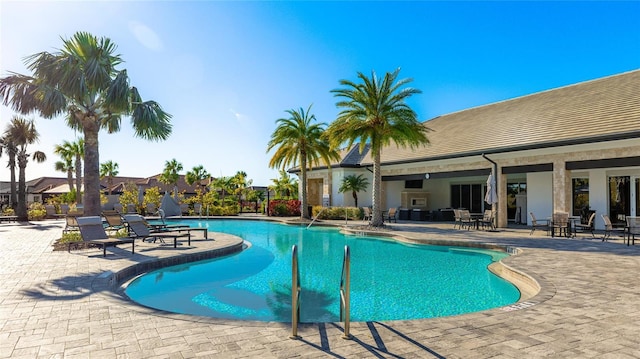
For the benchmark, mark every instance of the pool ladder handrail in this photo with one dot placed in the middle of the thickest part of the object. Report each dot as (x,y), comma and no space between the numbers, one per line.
(295,293)
(317,215)
(345,292)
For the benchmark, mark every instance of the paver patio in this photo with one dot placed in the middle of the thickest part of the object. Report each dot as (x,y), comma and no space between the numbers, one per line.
(58,304)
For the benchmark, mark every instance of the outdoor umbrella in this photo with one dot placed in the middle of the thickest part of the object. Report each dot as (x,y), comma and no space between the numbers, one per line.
(170,206)
(491,197)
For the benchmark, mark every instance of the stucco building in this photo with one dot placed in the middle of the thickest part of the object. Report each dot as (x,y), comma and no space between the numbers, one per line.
(558,150)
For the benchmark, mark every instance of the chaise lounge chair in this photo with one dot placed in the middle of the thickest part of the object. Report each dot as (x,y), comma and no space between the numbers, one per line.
(114,220)
(139,229)
(164,226)
(92,231)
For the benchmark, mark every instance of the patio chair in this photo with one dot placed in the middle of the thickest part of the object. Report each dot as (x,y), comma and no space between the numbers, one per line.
(118,208)
(587,227)
(560,222)
(456,219)
(609,228)
(466,220)
(633,228)
(140,230)
(487,220)
(367,214)
(391,215)
(538,223)
(92,231)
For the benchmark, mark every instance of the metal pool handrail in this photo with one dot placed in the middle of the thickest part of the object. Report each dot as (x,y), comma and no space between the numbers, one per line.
(295,293)
(317,215)
(345,292)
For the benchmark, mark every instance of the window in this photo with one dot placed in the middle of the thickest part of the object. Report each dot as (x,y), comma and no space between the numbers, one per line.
(413,184)
(467,196)
(580,190)
(619,198)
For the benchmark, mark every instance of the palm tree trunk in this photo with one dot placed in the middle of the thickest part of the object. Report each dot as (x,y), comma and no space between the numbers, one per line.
(355,198)
(376,219)
(21,212)
(14,191)
(70,179)
(304,211)
(79,179)
(92,205)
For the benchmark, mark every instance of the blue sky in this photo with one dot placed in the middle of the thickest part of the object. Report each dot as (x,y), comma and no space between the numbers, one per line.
(227,71)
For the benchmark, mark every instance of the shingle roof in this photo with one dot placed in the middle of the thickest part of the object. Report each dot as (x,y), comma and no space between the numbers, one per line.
(597,110)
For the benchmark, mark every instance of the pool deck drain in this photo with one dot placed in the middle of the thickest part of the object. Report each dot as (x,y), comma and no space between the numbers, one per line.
(56,304)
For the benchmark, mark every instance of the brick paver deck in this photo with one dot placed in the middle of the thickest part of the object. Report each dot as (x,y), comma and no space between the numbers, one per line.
(59,304)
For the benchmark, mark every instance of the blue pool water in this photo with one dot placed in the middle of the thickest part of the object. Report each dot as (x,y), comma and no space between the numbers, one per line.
(389,280)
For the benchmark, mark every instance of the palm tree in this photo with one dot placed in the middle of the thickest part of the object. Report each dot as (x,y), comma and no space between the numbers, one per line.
(73,150)
(354,184)
(171,175)
(196,176)
(66,166)
(374,112)
(23,133)
(300,142)
(222,184)
(240,184)
(81,81)
(7,145)
(285,186)
(109,169)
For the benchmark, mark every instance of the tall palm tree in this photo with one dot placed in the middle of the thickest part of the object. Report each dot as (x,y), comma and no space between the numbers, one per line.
(299,142)
(8,145)
(171,175)
(196,176)
(374,112)
(109,169)
(23,133)
(82,82)
(73,150)
(354,184)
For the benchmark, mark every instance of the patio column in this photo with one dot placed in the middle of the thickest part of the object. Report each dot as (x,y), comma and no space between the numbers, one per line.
(561,187)
(501,183)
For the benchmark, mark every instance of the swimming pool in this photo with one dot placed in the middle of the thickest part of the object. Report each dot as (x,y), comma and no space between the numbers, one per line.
(389,280)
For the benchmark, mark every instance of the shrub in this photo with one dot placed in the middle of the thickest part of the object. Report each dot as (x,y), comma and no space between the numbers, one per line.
(36,212)
(284,207)
(8,212)
(353,213)
(70,237)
